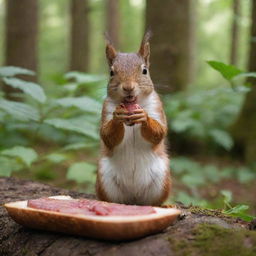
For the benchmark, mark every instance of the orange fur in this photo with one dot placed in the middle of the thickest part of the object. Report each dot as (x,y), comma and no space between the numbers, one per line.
(153,131)
(112,133)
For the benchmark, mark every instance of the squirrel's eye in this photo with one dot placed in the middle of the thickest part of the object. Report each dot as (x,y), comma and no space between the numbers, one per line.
(111,73)
(144,71)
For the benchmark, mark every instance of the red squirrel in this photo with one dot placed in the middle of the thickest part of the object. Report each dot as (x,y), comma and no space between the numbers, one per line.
(133,166)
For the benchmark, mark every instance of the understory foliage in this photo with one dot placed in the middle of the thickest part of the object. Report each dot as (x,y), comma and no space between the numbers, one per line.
(193,177)
(48,134)
(56,124)
(207,115)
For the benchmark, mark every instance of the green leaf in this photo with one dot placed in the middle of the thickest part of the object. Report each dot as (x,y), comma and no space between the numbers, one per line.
(32,89)
(186,199)
(82,172)
(83,77)
(242,88)
(240,211)
(84,103)
(245,175)
(222,138)
(26,155)
(226,172)
(193,180)
(246,75)
(75,125)
(212,174)
(8,166)
(56,158)
(13,71)
(19,110)
(237,209)
(227,71)
(180,165)
(227,196)
(184,121)
(71,87)
(243,216)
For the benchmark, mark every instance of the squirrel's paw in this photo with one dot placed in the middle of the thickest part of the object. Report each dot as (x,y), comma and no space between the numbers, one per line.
(138,116)
(120,115)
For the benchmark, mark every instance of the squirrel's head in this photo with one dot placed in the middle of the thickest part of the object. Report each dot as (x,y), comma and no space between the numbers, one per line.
(129,73)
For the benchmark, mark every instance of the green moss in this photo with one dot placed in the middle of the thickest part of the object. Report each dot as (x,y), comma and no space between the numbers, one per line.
(213,240)
(207,212)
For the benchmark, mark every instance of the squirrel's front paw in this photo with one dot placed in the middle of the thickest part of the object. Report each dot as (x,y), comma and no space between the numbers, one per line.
(120,115)
(138,116)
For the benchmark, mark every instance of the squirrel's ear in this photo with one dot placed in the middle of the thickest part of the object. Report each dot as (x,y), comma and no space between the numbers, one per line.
(110,53)
(144,50)
(110,50)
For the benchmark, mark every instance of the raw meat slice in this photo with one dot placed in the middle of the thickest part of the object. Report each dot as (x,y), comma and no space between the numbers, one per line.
(89,207)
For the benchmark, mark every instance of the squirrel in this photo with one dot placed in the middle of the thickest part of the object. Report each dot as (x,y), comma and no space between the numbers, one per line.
(133,167)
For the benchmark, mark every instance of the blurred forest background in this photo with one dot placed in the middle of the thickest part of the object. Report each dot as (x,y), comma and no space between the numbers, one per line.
(203,60)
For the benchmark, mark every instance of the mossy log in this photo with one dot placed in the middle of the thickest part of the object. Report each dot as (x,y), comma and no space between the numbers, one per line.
(198,232)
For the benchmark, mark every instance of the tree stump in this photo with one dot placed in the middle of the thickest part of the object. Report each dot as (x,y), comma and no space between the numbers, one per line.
(197,232)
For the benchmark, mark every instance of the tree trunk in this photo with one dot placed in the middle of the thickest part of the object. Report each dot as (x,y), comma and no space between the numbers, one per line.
(21,33)
(244,130)
(172,44)
(79,53)
(198,232)
(235,32)
(113,21)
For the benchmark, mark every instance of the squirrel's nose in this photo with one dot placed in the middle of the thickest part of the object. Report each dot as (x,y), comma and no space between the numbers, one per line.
(128,87)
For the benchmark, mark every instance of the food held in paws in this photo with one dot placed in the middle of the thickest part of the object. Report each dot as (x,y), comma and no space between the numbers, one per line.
(130,107)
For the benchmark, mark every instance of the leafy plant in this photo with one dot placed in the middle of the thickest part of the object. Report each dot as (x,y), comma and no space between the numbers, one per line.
(32,89)
(232,74)
(26,155)
(236,211)
(82,172)
(204,115)
(192,177)
(194,174)
(70,120)
(207,114)
(227,71)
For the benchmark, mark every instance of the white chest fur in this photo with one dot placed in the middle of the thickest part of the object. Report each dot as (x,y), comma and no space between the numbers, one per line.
(134,173)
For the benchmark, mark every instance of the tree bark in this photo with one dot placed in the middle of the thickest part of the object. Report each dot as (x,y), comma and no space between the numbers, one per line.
(21,33)
(113,21)
(80,31)
(173,43)
(244,130)
(197,232)
(235,32)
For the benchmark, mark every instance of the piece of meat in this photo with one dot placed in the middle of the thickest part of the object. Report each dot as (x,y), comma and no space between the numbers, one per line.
(57,205)
(130,107)
(119,210)
(89,207)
